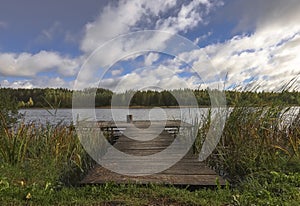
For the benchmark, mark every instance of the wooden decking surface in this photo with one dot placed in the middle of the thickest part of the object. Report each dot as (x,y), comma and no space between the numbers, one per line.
(187,171)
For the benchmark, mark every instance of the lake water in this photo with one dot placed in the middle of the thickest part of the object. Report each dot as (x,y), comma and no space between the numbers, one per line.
(65,115)
(189,115)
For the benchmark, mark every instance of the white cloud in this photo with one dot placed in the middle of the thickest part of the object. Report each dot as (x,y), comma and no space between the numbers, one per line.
(262,14)
(151,58)
(126,16)
(114,20)
(162,76)
(188,17)
(268,56)
(38,82)
(202,37)
(29,65)
(116,72)
(267,59)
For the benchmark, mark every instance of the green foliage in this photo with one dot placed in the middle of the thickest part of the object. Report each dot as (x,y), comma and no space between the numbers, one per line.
(32,145)
(272,188)
(62,98)
(53,158)
(8,109)
(13,145)
(255,140)
(39,163)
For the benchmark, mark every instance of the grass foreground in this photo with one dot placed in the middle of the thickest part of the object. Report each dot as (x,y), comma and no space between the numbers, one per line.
(277,189)
(258,155)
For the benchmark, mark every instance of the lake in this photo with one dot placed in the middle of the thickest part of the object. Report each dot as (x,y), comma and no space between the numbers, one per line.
(189,115)
(65,115)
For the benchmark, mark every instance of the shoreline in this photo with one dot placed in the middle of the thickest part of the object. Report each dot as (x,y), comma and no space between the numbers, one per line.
(119,107)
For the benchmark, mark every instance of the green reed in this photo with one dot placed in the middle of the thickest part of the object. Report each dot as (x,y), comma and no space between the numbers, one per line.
(57,147)
(255,140)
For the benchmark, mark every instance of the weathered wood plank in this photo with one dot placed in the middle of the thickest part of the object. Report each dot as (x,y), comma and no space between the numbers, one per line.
(100,175)
(143,124)
(187,171)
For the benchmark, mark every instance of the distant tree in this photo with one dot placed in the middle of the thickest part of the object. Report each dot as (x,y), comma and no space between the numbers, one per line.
(21,104)
(30,102)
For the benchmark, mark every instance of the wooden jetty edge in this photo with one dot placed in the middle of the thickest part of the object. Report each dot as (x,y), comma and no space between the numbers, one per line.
(188,171)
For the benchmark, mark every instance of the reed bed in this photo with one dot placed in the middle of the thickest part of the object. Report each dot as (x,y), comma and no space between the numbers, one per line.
(255,141)
(55,149)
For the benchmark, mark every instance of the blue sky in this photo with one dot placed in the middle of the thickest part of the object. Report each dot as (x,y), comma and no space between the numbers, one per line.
(249,43)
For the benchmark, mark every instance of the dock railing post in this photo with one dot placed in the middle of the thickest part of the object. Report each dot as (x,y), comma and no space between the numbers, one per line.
(129,118)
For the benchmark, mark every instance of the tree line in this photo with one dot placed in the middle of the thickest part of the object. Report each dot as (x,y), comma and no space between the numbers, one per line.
(62,98)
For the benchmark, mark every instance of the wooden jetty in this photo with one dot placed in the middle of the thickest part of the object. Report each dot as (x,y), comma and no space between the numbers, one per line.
(187,171)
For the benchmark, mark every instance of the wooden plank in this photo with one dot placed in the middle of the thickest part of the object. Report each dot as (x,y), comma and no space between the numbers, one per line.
(101,175)
(142,124)
(121,139)
(192,180)
(194,170)
(187,171)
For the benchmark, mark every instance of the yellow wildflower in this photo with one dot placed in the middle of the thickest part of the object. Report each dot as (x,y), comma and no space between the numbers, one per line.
(28,196)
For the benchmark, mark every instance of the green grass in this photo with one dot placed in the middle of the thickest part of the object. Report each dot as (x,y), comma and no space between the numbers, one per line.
(255,140)
(40,165)
(110,194)
(273,189)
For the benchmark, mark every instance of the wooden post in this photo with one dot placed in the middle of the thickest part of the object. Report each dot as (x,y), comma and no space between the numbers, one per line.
(129,118)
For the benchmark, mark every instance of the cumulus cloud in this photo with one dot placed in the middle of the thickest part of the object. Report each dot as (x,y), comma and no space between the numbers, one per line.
(116,72)
(260,14)
(151,58)
(267,58)
(161,77)
(128,16)
(38,82)
(270,63)
(167,75)
(189,16)
(115,19)
(122,18)
(29,65)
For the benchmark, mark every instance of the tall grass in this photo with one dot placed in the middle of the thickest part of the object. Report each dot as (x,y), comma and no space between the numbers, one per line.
(255,140)
(54,147)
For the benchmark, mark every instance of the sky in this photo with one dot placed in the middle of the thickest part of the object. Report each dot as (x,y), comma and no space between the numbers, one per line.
(137,44)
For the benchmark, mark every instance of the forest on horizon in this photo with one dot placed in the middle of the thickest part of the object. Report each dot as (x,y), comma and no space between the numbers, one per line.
(62,98)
